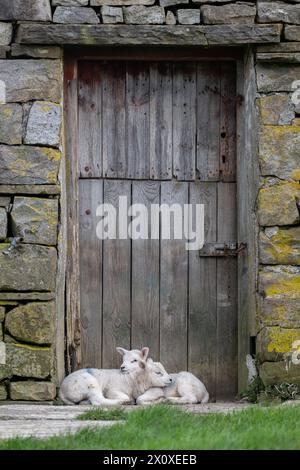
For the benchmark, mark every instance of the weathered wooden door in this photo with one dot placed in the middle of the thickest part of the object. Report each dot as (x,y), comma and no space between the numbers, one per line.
(159,132)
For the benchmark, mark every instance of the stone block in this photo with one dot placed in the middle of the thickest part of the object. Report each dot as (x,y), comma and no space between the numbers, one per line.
(278,372)
(188,16)
(29,361)
(279,151)
(32,391)
(111,15)
(36,52)
(276,311)
(170,18)
(44,124)
(25,10)
(278,204)
(2,313)
(239,12)
(276,110)
(274,343)
(3,392)
(28,80)
(113,3)
(28,268)
(11,116)
(75,15)
(280,246)
(5,33)
(3,223)
(144,15)
(278,12)
(170,3)
(292,33)
(280,282)
(70,3)
(28,165)
(32,323)
(36,219)
(276,77)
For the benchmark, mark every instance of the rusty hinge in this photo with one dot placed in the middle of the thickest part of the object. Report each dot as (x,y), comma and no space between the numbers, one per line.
(222,249)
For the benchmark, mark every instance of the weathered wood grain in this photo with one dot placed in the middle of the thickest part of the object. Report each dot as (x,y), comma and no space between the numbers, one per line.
(161,120)
(202,317)
(90,269)
(90,119)
(184,121)
(208,121)
(138,120)
(114,120)
(116,283)
(226,377)
(173,288)
(145,276)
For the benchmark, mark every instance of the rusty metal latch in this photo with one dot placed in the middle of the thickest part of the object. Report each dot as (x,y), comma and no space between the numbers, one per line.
(222,249)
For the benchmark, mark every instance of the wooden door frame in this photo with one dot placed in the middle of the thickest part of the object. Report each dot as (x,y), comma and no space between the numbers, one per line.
(247,180)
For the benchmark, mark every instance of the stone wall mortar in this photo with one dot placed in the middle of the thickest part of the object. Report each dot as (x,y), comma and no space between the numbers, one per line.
(30,134)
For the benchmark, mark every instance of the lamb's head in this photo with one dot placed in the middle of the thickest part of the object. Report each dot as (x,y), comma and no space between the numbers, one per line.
(134,360)
(157,374)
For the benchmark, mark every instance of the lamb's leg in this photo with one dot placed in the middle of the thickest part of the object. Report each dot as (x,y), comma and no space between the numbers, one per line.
(151,396)
(121,397)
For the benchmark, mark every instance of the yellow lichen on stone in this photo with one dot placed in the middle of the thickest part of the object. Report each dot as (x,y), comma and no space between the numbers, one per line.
(281,339)
(289,288)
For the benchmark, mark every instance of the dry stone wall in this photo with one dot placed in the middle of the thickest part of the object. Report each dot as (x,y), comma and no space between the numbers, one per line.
(32,35)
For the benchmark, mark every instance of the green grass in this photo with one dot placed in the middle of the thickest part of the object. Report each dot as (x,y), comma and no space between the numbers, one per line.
(167,427)
(97,414)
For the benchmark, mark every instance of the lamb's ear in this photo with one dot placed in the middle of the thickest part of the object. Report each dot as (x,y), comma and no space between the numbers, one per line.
(144,353)
(121,351)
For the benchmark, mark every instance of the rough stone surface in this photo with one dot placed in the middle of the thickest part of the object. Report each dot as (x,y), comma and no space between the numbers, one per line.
(280,282)
(276,109)
(31,79)
(277,372)
(278,311)
(279,151)
(275,12)
(188,16)
(28,165)
(121,2)
(32,391)
(240,34)
(275,342)
(3,223)
(2,313)
(170,18)
(280,247)
(281,57)
(75,15)
(25,10)
(276,77)
(44,123)
(70,3)
(28,268)
(5,33)
(29,361)
(36,52)
(11,116)
(36,219)
(169,3)
(32,323)
(278,48)
(3,52)
(111,15)
(292,33)
(5,372)
(144,15)
(5,201)
(3,392)
(239,12)
(278,204)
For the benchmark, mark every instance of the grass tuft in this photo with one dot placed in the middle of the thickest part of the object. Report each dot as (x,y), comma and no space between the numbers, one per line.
(100,414)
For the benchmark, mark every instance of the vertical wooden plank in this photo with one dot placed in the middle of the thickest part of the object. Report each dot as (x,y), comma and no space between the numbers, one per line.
(228,122)
(161,138)
(116,283)
(208,121)
(226,296)
(90,119)
(173,287)
(138,120)
(145,276)
(114,119)
(184,120)
(202,321)
(90,268)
